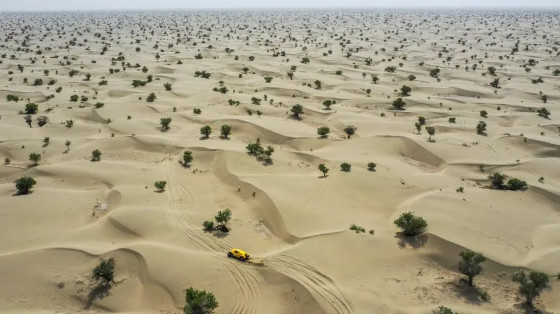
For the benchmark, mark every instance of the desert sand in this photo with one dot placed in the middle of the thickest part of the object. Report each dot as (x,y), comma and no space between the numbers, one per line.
(293,221)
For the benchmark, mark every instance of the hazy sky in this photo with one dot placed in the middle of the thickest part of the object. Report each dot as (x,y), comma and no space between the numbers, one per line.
(57,5)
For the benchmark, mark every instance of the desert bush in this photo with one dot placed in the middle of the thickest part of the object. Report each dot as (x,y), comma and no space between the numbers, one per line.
(497,180)
(405,90)
(346,167)
(305,60)
(208,225)
(197,111)
(357,228)
(151,97)
(74,98)
(268,79)
(469,265)
(323,131)
(371,166)
(164,123)
(431,131)
(443,310)
(104,273)
(199,302)
(410,224)
(422,120)
(24,185)
(390,69)
(481,127)
(328,103)
(28,119)
(543,112)
(160,185)
(35,158)
(495,83)
(492,70)
(31,108)
(167,86)
(452,120)
(222,218)
(515,184)
(434,73)
(399,104)
(484,113)
(256,101)
(96,155)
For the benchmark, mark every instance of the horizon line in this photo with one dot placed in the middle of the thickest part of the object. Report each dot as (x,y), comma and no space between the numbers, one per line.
(408,8)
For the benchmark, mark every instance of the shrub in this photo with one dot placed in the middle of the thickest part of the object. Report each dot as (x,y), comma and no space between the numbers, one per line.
(69,123)
(164,122)
(167,86)
(434,73)
(151,97)
(543,112)
(492,70)
(481,127)
(28,119)
(357,228)
(452,120)
(405,90)
(225,131)
(96,155)
(197,111)
(35,158)
(371,166)
(206,131)
(74,98)
(346,167)
(422,120)
(256,101)
(443,310)
(495,83)
(390,69)
(484,113)
(31,108)
(305,60)
(187,158)
(199,302)
(208,225)
(268,79)
(24,185)
(317,84)
(160,185)
(469,265)
(327,103)
(323,131)
(497,180)
(531,286)
(410,224)
(323,169)
(399,104)
(104,272)
(515,184)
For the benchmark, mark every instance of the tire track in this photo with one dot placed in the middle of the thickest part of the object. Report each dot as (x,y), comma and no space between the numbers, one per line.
(318,284)
(178,219)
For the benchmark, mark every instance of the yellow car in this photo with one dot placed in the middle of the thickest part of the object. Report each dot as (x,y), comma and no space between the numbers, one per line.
(239,254)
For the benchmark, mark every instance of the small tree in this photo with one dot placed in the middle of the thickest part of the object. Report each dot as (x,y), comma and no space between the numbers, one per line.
(410,224)
(346,167)
(199,302)
(317,84)
(160,185)
(492,70)
(418,126)
(371,166)
(167,86)
(96,155)
(67,143)
(435,73)
(323,132)
(35,158)
(405,90)
(187,158)
(225,131)
(481,127)
(374,79)
(515,184)
(495,83)
(327,103)
(104,272)
(206,131)
(443,310)
(431,131)
(532,285)
(222,218)
(208,225)
(31,108)
(422,120)
(399,103)
(69,123)
(164,122)
(296,110)
(350,130)
(24,185)
(323,169)
(469,265)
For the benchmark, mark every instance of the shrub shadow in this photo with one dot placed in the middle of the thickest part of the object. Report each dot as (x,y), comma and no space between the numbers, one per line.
(415,242)
(471,294)
(98,292)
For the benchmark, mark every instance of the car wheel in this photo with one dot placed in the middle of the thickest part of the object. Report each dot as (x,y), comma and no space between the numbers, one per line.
(229,254)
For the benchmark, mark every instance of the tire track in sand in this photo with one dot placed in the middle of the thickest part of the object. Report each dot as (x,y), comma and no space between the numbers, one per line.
(178,219)
(318,284)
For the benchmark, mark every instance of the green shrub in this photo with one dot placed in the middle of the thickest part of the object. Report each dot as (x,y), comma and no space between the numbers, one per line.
(24,185)
(357,228)
(160,185)
(410,224)
(346,167)
(104,272)
(199,302)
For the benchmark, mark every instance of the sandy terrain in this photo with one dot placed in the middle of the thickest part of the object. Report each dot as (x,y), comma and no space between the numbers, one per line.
(293,221)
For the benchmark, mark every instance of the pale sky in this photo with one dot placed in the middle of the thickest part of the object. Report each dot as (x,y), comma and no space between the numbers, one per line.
(71,5)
